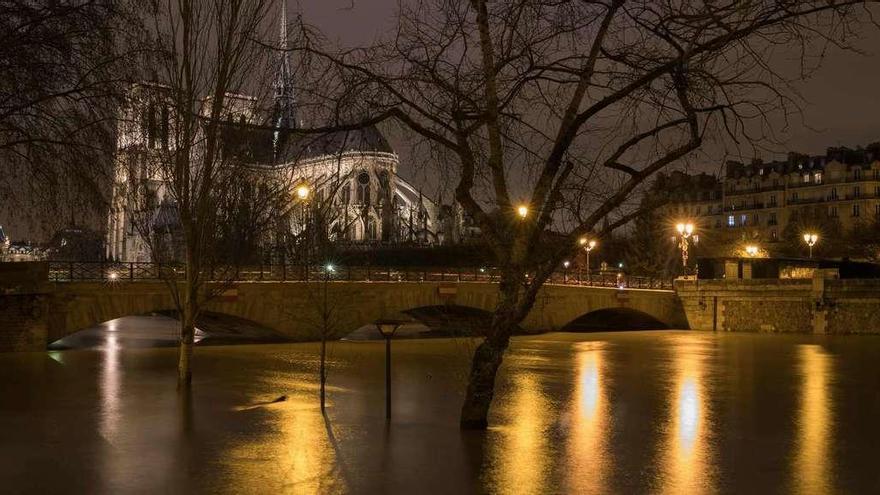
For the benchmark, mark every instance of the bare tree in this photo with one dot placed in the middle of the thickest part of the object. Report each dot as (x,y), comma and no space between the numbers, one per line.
(205,57)
(552,114)
(62,67)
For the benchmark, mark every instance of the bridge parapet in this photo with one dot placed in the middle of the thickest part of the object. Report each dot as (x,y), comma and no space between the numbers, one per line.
(65,307)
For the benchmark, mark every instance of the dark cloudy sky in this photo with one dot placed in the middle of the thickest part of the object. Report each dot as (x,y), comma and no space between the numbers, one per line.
(843,97)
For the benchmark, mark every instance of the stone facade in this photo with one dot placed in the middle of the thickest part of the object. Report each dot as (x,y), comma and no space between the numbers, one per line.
(818,305)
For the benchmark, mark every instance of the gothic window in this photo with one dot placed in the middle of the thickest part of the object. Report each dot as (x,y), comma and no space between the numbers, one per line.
(371,229)
(345,193)
(165,129)
(363,188)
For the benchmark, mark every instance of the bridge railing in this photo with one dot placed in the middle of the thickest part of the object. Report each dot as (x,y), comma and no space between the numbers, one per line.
(68,271)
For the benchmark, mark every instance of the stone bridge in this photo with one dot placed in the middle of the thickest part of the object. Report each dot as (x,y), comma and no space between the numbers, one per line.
(37,314)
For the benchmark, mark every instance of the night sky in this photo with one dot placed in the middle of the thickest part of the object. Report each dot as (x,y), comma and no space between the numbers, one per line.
(842,98)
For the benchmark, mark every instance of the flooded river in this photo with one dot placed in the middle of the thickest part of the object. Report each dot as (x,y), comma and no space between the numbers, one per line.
(634,412)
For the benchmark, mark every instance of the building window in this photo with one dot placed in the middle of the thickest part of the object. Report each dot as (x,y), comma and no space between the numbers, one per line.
(772,200)
(833,193)
(730,221)
(855,210)
(773,235)
(742,220)
(857,191)
(756,220)
(345,193)
(794,197)
(806,178)
(832,211)
(772,220)
(817,177)
(857,173)
(877,209)
(363,188)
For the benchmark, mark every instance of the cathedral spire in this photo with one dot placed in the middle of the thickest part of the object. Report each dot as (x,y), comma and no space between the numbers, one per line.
(284,111)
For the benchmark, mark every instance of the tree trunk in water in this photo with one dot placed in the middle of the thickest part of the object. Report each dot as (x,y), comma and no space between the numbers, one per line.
(487,360)
(185,351)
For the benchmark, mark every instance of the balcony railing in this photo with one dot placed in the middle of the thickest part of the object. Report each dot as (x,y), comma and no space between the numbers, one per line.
(112,272)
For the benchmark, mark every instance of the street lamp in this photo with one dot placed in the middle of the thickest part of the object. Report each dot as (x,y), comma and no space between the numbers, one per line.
(387,328)
(588,246)
(522,211)
(685,233)
(752,250)
(811,238)
(302,192)
(565,265)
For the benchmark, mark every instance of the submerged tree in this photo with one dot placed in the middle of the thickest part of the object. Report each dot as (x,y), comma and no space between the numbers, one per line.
(552,114)
(187,186)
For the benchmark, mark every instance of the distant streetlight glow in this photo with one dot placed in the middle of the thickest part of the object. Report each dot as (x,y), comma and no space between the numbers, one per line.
(113,276)
(685,233)
(522,211)
(752,250)
(302,192)
(810,238)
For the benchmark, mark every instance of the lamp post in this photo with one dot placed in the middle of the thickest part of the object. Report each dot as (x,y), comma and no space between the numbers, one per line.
(302,193)
(588,246)
(811,238)
(685,234)
(387,328)
(565,265)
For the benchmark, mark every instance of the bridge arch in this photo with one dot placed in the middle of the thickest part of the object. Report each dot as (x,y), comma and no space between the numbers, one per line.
(614,319)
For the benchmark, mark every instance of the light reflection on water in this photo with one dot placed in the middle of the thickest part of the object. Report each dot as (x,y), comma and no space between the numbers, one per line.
(587,446)
(812,468)
(567,418)
(688,451)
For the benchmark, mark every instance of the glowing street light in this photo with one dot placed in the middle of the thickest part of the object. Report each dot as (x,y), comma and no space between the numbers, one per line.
(588,245)
(752,250)
(522,211)
(685,234)
(113,276)
(811,238)
(302,192)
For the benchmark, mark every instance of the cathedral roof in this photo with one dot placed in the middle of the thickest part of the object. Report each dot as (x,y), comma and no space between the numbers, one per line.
(260,145)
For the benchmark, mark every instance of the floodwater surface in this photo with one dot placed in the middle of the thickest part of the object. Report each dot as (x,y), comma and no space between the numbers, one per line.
(636,412)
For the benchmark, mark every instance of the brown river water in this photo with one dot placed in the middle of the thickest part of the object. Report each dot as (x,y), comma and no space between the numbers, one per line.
(626,412)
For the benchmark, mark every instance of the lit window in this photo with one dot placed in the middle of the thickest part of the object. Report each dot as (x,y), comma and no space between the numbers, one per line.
(742,219)
(806,178)
(817,177)
(731,221)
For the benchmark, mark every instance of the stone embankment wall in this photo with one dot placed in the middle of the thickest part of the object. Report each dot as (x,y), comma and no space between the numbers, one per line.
(819,305)
(24,305)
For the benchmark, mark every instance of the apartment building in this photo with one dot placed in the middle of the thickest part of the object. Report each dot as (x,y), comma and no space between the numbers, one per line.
(757,200)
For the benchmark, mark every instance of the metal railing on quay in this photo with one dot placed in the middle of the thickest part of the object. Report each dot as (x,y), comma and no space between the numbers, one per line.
(73,271)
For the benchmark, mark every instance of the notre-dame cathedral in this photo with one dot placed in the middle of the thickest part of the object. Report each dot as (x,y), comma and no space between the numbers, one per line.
(357,171)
